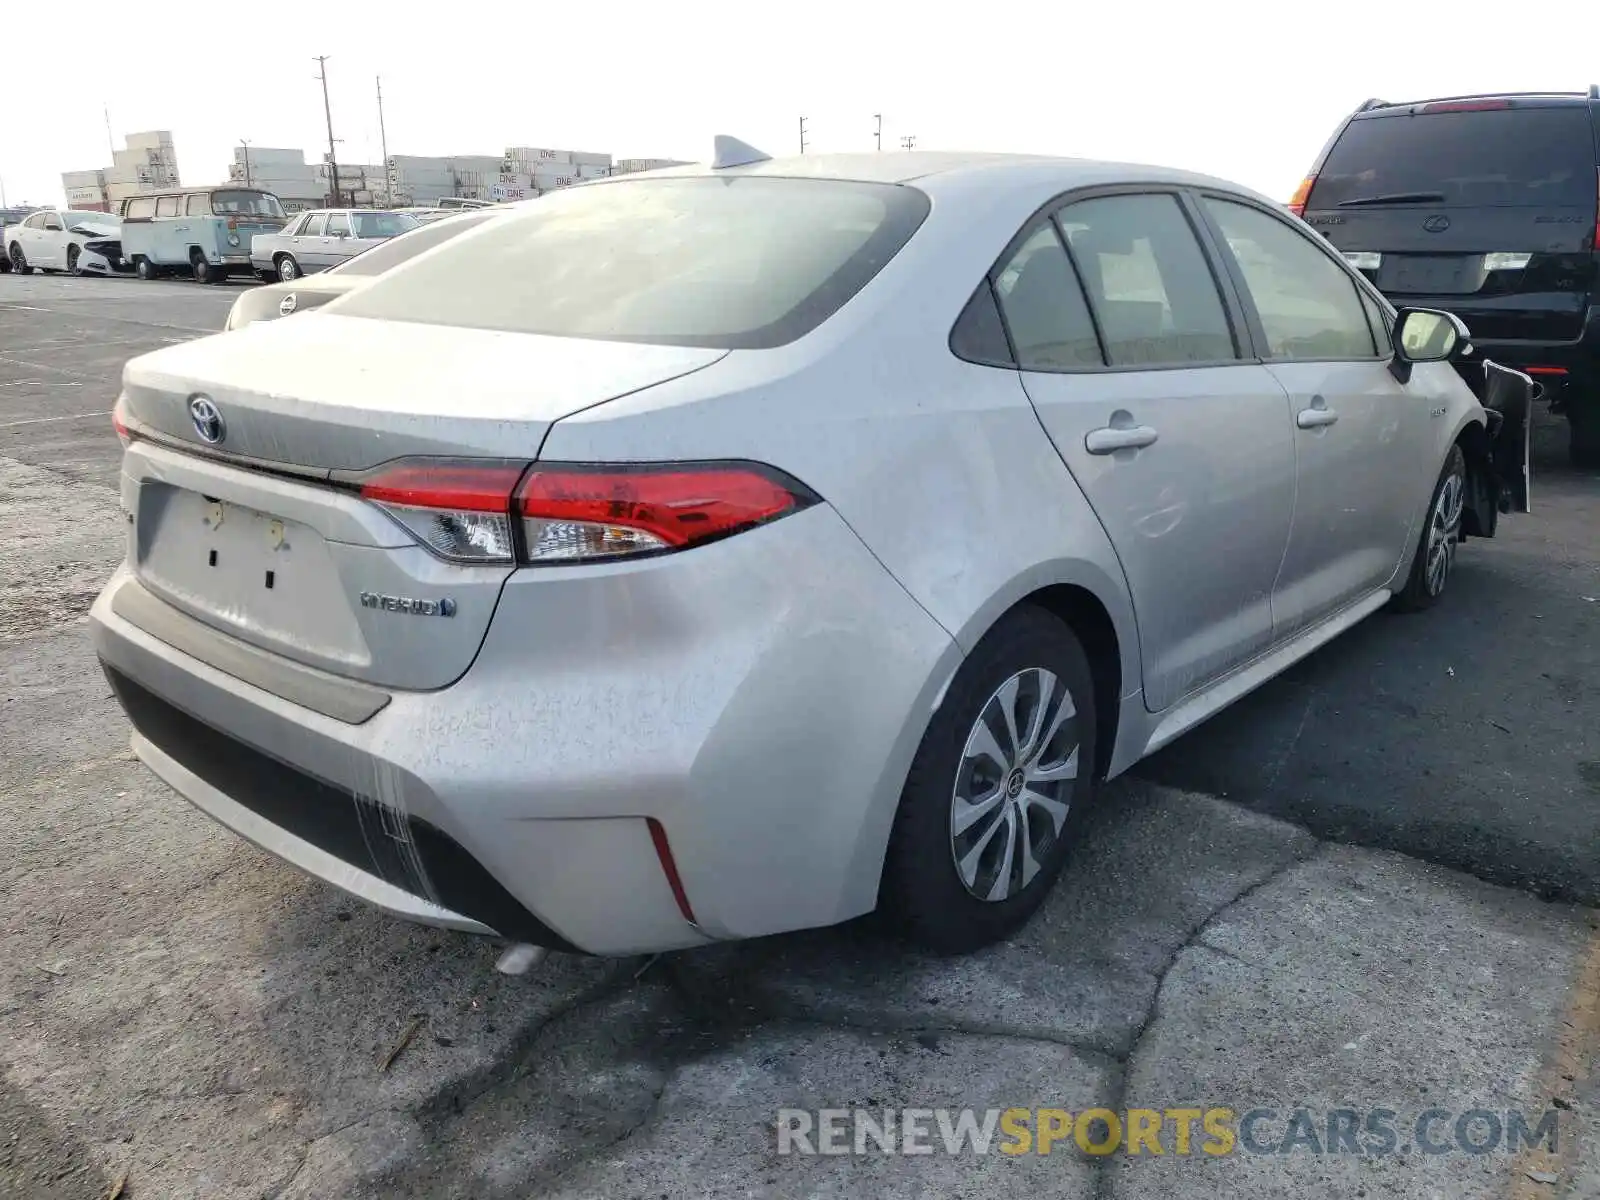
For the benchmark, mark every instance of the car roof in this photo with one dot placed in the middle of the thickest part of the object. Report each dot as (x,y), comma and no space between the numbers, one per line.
(920,165)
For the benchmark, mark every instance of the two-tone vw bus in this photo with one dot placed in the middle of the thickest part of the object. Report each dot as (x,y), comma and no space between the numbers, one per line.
(201,232)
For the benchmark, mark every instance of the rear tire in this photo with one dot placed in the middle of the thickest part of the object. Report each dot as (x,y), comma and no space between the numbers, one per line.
(145,269)
(1435,557)
(983,830)
(288,269)
(1583,432)
(19,260)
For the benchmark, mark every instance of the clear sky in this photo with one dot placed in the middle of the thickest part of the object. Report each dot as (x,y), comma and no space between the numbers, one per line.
(1239,88)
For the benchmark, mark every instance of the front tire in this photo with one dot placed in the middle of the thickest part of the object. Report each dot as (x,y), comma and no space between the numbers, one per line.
(998,793)
(72,261)
(1435,558)
(145,269)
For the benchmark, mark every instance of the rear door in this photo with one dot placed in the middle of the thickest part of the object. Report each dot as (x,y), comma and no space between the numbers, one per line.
(1486,208)
(338,245)
(1178,443)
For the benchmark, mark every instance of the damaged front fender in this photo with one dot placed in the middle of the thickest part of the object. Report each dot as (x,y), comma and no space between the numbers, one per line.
(1499,472)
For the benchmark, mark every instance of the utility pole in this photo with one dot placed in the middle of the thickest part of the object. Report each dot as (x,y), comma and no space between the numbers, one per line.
(879,135)
(333,162)
(246,146)
(802,135)
(383,143)
(908,141)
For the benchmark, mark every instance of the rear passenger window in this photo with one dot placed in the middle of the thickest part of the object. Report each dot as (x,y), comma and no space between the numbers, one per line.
(1152,290)
(1043,307)
(338,225)
(1310,308)
(167,206)
(978,336)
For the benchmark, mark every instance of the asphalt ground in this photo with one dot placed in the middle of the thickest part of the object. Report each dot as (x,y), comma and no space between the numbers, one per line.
(1368,883)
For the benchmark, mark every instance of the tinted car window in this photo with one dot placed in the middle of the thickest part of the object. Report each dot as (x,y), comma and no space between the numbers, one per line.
(1309,307)
(338,225)
(246,203)
(1148,281)
(733,262)
(1043,306)
(978,336)
(1513,156)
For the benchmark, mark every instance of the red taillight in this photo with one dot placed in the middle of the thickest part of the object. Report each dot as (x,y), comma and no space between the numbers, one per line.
(474,487)
(1297,202)
(473,511)
(669,868)
(1544,370)
(120,423)
(576,513)
(1439,106)
(459,510)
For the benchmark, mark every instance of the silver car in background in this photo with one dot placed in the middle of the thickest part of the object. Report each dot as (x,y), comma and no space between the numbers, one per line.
(322,238)
(749,546)
(308,294)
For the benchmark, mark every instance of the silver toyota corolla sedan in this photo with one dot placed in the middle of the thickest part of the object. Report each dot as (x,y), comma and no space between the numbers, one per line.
(750,546)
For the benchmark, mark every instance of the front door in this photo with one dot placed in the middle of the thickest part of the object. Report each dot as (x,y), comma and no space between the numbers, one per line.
(1177,442)
(1361,437)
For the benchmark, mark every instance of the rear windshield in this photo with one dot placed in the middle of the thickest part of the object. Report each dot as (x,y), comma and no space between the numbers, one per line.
(1497,157)
(398,250)
(381,224)
(735,263)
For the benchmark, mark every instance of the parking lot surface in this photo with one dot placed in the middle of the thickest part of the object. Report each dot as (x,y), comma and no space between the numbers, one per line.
(1369,885)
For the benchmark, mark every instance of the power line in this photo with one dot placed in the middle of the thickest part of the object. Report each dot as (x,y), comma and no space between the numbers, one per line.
(327,112)
(246,146)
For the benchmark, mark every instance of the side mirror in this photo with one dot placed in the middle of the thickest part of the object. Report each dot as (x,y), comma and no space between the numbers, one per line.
(1426,335)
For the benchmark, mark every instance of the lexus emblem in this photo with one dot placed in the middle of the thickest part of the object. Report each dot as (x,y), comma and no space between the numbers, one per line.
(1437,223)
(286,305)
(207,419)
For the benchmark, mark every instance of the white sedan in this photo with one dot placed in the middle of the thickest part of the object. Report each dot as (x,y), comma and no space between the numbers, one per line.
(65,239)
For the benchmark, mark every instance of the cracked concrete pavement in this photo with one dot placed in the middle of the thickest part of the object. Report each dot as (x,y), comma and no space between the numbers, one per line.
(176,1005)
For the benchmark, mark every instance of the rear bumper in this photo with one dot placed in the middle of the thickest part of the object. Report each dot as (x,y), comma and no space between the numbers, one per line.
(759,698)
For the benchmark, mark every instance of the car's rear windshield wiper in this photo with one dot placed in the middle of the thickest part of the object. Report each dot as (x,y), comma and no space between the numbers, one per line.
(1395,198)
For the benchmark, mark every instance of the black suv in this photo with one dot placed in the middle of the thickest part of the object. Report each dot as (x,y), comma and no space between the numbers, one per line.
(1488,206)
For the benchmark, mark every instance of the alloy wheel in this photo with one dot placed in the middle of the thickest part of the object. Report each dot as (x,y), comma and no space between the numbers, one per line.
(1444,532)
(1014,784)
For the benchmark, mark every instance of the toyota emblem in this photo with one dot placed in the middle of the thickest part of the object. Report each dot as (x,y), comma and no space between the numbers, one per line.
(1437,223)
(286,305)
(207,419)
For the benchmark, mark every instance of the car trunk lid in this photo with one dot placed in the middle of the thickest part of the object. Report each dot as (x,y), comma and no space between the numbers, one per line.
(275,546)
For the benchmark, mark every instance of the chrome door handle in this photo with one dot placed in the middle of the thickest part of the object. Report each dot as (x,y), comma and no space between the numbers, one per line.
(1315,418)
(1110,439)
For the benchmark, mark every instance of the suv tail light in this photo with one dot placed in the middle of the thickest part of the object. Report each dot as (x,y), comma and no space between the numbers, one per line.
(505,512)
(1297,202)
